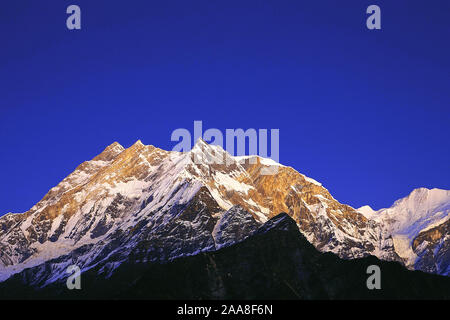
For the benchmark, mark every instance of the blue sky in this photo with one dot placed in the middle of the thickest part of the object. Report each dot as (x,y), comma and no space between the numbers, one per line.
(364,112)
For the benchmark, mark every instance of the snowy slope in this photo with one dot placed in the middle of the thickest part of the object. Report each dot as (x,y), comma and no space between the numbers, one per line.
(146,204)
(367,211)
(420,211)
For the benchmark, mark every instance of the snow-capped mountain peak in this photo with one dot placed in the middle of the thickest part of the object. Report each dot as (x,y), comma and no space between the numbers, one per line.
(367,211)
(148,204)
(422,210)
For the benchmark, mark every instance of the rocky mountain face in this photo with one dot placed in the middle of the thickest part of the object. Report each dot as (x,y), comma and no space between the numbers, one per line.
(274,262)
(419,225)
(432,248)
(147,205)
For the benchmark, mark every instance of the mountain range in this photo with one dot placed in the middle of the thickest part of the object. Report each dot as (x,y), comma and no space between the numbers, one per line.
(146,211)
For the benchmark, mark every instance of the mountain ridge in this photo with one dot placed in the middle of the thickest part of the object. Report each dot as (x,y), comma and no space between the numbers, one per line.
(423,209)
(123,198)
(276,262)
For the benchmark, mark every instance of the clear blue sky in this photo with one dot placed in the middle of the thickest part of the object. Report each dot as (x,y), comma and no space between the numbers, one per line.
(364,112)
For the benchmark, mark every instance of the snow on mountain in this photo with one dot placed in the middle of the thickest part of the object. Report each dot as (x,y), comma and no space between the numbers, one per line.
(145,204)
(121,196)
(367,211)
(422,210)
(234,226)
(410,215)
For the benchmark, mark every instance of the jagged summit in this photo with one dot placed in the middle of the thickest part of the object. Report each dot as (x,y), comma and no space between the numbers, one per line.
(110,152)
(138,143)
(114,145)
(420,195)
(423,209)
(147,204)
(367,211)
(207,147)
(200,141)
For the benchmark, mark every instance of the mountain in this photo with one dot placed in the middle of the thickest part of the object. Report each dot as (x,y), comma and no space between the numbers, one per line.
(274,262)
(146,205)
(367,211)
(419,225)
(170,204)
